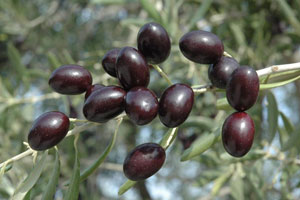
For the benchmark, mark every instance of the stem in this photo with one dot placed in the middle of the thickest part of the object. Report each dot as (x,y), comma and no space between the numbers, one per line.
(227,54)
(17,157)
(198,89)
(162,73)
(278,68)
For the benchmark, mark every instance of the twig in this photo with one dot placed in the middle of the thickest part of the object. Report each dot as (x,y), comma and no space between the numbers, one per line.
(278,68)
(162,73)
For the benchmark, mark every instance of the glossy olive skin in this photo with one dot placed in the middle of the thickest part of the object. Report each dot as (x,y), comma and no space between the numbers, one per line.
(70,79)
(242,88)
(109,62)
(144,161)
(154,43)
(141,105)
(201,47)
(91,89)
(104,104)
(132,68)
(175,105)
(220,72)
(238,133)
(48,130)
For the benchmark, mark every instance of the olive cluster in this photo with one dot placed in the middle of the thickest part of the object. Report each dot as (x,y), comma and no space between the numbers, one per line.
(131,67)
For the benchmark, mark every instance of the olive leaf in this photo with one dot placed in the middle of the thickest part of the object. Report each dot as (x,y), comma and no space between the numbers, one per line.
(31,179)
(73,190)
(201,144)
(51,187)
(272,115)
(87,172)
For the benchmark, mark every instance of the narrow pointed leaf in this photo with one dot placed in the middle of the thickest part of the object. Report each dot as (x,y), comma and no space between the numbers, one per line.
(219,182)
(73,190)
(51,187)
(237,187)
(31,179)
(203,143)
(272,115)
(87,172)
(151,10)
(287,123)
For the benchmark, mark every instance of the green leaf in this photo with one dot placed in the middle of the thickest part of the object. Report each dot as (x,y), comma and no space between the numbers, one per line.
(53,60)
(287,123)
(151,10)
(222,104)
(237,187)
(277,84)
(272,115)
(200,13)
(73,190)
(290,14)
(293,140)
(111,2)
(87,172)
(51,187)
(166,141)
(31,179)
(203,143)
(219,182)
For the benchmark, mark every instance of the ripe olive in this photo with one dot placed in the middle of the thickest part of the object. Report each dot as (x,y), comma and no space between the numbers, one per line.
(242,88)
(238,134)
(109,62)
(48,130)
(104,104)
(141,105)
(201,47)
(154,43)
(70,79)
(91,89)
(219,73)
(144,161)
(132,68)
(175,104)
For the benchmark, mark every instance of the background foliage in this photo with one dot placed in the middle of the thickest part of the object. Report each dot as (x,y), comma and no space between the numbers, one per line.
(37,36)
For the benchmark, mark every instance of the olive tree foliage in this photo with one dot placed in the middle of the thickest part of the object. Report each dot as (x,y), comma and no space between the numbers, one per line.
(38,36)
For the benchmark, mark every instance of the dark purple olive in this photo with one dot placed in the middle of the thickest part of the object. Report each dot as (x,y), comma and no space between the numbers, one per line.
(141,105)
(92,89)
(238,134)
(201,47)
(48,130)
(144,161)
(175,104)
(154,43)
(109,62)
(70,79)
(104,104)
(219,73)
(132,68)
(242,88)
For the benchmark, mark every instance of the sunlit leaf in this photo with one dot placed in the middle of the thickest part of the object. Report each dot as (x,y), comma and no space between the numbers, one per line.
(51,187)
(31,179)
